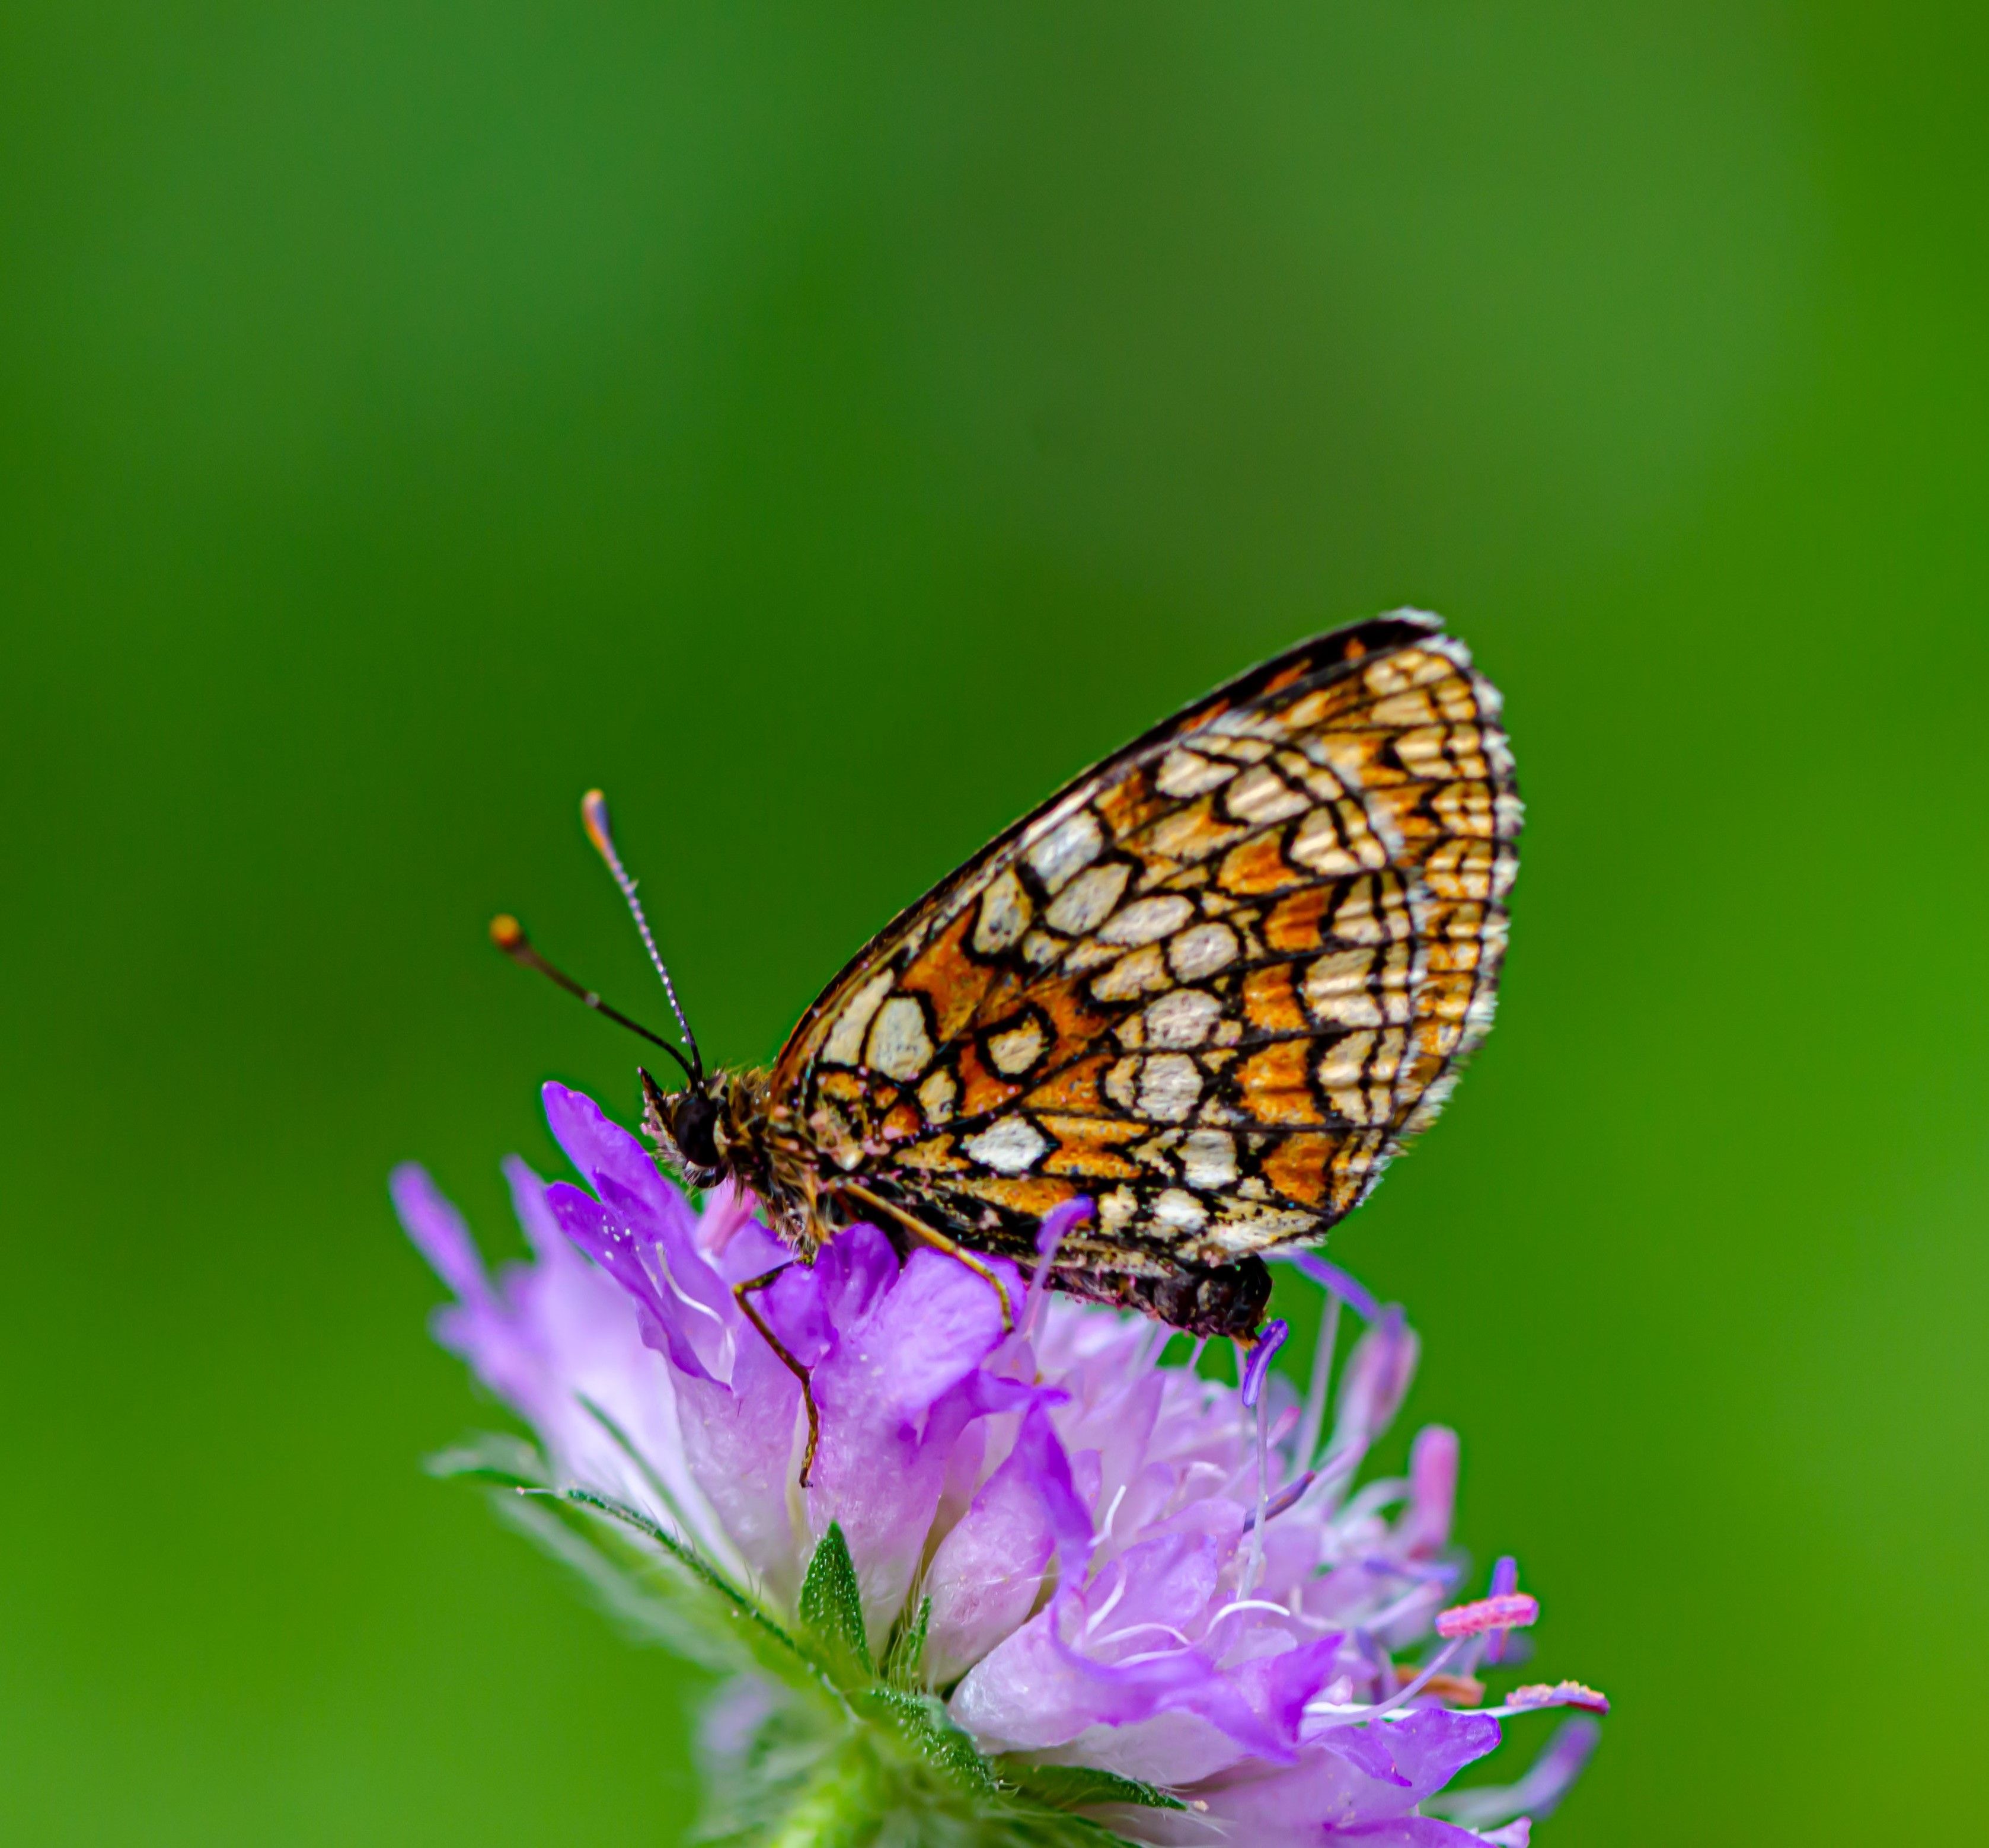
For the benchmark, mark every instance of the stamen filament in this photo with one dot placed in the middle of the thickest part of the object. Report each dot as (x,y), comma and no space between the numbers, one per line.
(1314,1422)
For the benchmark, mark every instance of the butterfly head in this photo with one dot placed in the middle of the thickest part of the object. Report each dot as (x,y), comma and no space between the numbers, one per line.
(685,1125)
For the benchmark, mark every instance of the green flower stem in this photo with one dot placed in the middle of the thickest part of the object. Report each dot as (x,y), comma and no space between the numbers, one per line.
(840,1805)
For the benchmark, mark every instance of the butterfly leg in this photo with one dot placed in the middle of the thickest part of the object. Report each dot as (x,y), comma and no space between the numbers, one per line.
(939,1241)
(740,1293)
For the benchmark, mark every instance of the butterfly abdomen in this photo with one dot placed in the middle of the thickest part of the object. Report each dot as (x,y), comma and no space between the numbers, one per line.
(1211,1300)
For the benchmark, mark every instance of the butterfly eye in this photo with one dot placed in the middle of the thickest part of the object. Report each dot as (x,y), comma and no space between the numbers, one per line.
(694,1124)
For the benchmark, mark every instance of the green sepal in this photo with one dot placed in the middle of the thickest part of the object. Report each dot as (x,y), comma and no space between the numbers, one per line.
(832,1607)
(1080,1786)
(905,1660)
(740,1618)
(648,1601)
(896,1774)
(846,1757)
(491,1456)
(626,1444)
(921,1722)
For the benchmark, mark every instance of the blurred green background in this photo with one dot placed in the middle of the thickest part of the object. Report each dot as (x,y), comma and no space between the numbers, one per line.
(827,428)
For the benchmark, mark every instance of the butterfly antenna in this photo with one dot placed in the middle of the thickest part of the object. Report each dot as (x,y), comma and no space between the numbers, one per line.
(509,935)
(594,812)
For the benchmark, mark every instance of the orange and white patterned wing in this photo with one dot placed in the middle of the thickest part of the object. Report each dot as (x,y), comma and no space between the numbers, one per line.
(1215,983)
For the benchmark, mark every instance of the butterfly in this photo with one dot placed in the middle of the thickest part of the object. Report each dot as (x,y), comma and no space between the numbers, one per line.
(1213,985)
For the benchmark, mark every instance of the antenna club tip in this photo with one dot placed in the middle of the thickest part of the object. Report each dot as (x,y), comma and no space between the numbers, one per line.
(506,932)
(594,813)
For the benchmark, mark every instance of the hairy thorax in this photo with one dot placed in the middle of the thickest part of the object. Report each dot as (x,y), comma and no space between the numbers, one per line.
(767,1149)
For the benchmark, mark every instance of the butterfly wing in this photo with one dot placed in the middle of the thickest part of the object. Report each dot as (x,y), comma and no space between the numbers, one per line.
(1216,982)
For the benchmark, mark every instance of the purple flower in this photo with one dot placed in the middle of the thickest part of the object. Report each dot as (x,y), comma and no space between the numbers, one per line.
(1093,1566)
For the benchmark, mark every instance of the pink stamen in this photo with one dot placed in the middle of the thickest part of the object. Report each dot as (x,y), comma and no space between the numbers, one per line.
(1145,1655)
(1258,1364)
(1356,1296)
(1505,1578)
(1140,1630)
(1247,1604)
(1315,1390)
(1095,1618)
(1510,1610)
(1409,1689)
(1255,1371)
(1424,1528)
(1287,1497)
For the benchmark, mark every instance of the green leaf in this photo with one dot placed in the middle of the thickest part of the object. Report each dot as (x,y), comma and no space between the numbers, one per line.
(1080,1787)
(831,1609)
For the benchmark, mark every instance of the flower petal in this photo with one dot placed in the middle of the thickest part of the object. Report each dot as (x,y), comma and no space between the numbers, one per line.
(984,1577)
(603,1236)
(600,1149)
(1365,1788)
(933,1329)
(894,1392)
(1538,1789)
(742,1446)
(550,1245)
(628,1184)
(1101,1656)
(438,1232)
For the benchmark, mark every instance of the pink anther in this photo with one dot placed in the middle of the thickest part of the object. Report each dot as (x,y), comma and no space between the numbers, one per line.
(1510,1610)
(1559,1694)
